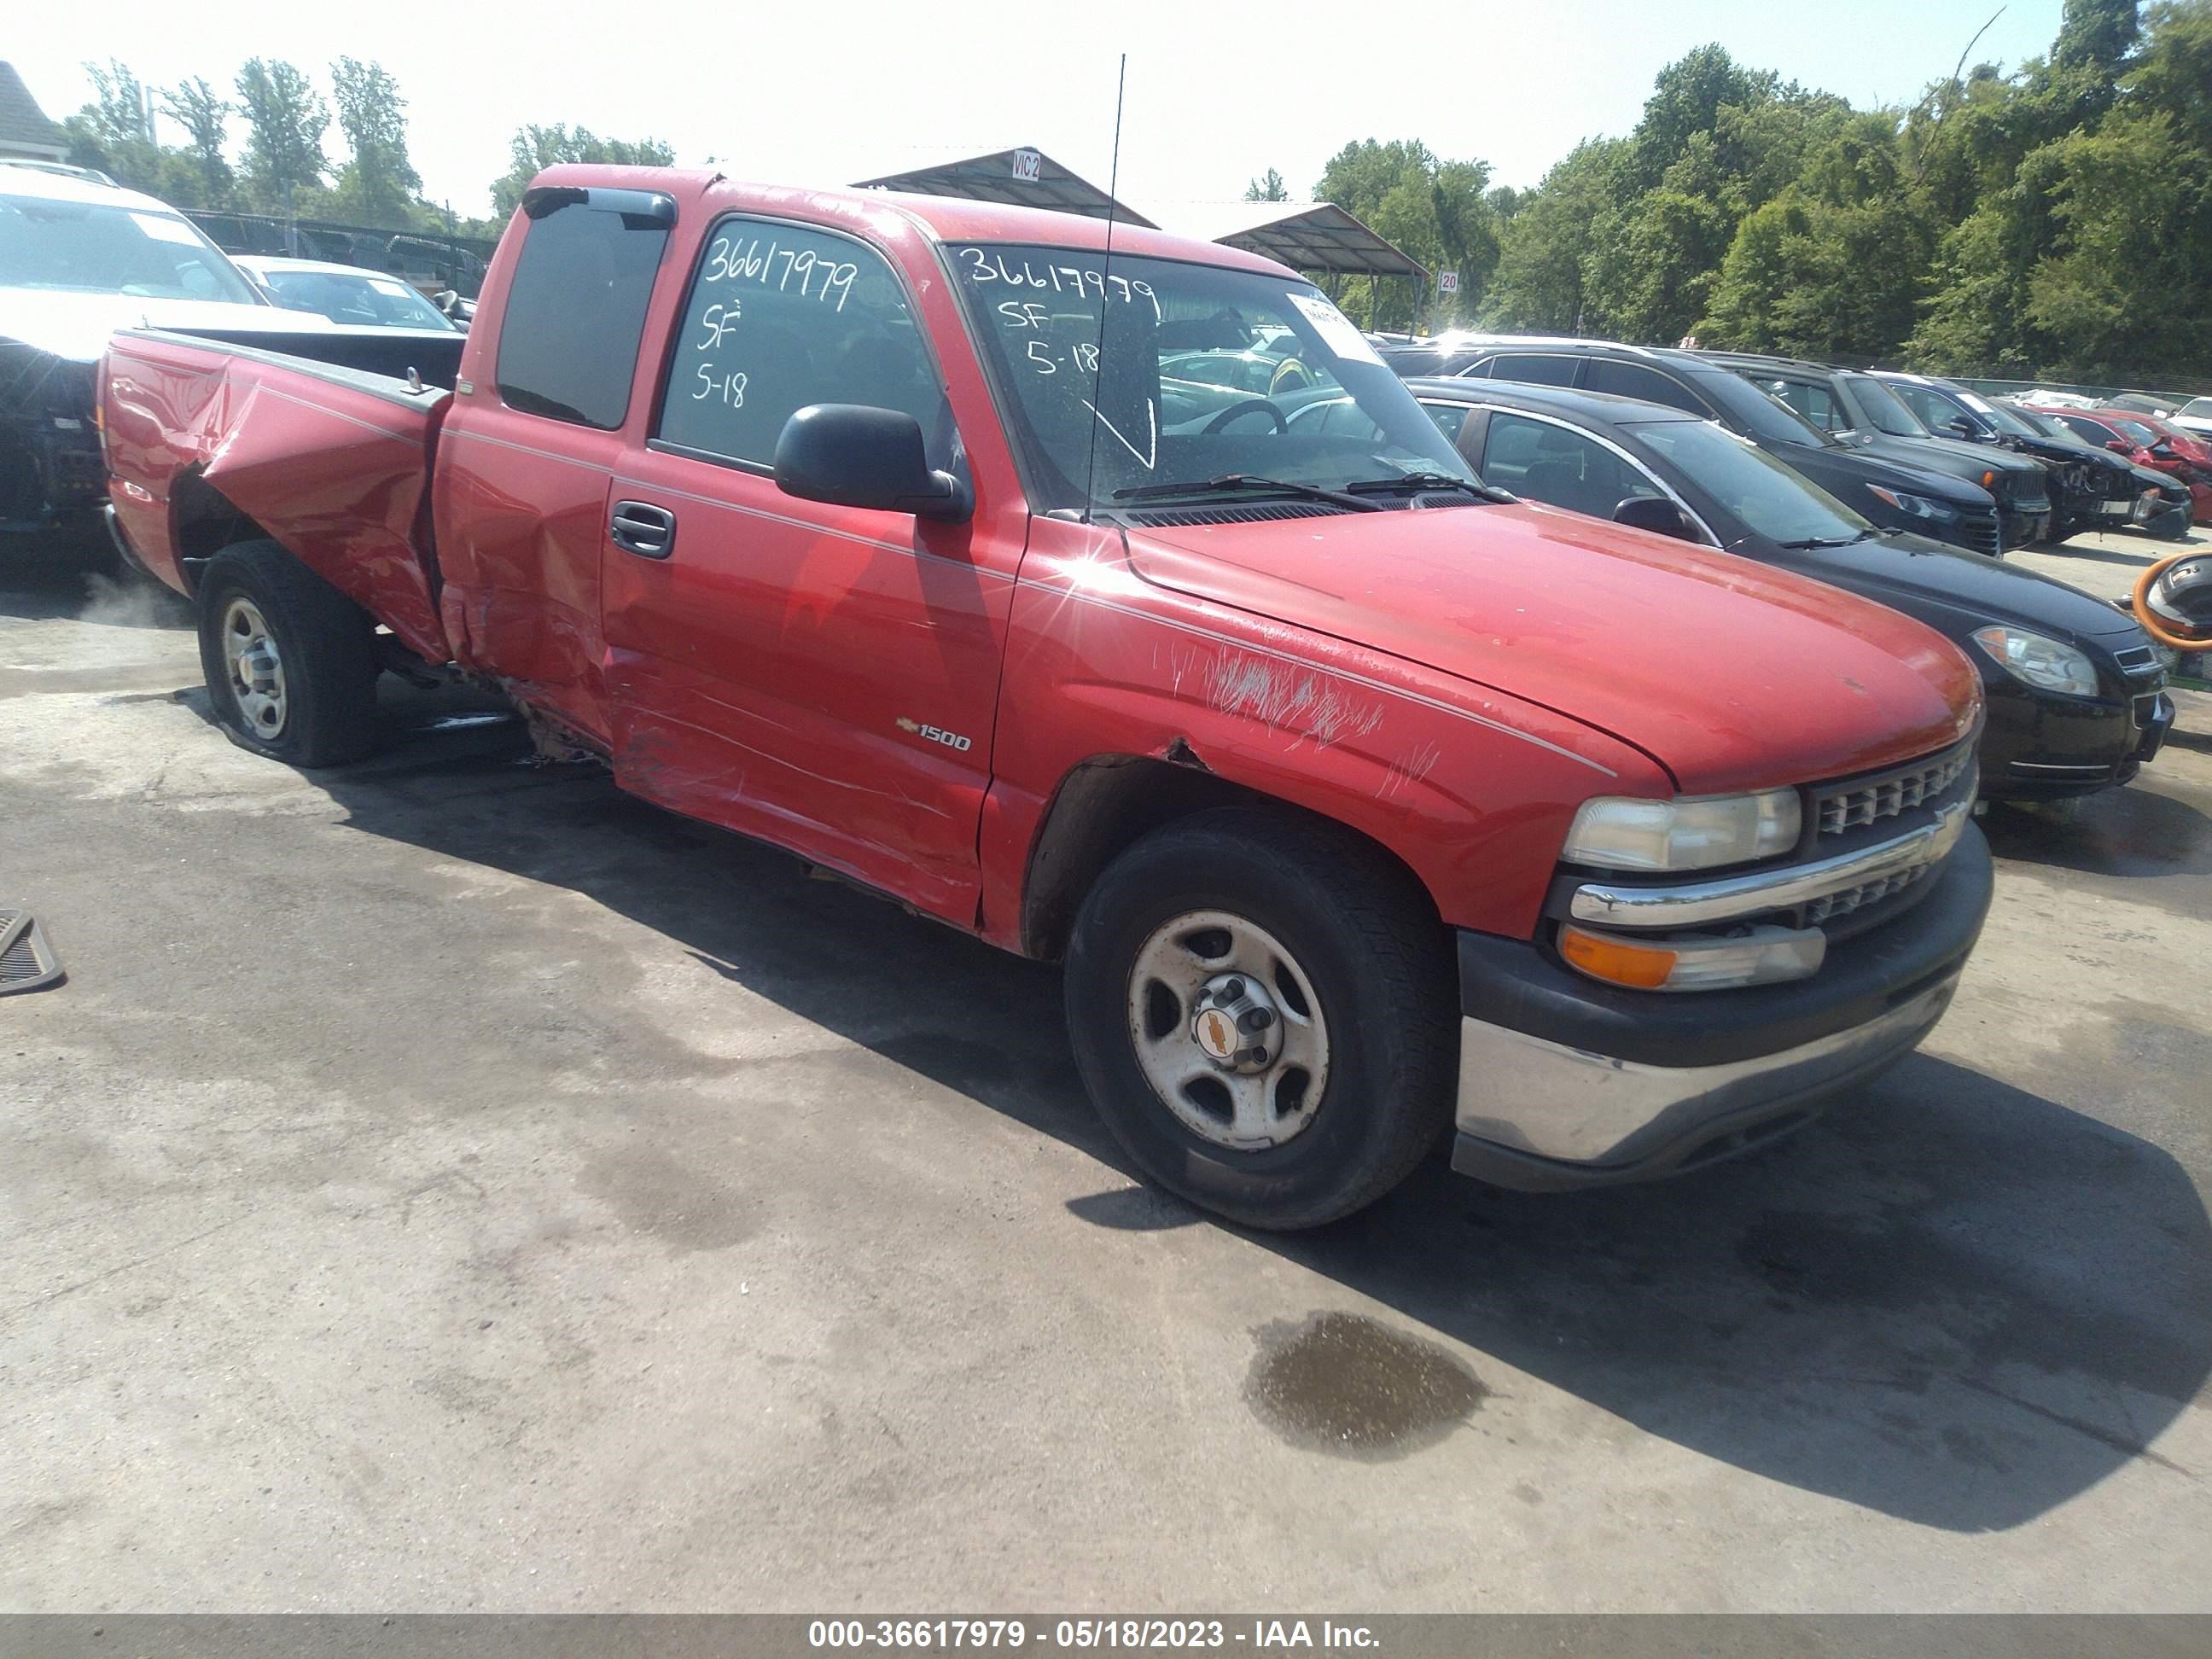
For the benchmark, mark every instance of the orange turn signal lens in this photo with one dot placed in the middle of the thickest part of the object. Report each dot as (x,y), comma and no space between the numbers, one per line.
(1641,967)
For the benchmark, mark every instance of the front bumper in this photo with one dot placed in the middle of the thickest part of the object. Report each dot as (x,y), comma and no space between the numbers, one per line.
(2025,526)
(2039,745)
(1567,1083)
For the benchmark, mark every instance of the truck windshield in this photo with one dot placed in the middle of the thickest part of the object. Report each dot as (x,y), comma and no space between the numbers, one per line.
(1192,372)
(1774,501)
(86,248)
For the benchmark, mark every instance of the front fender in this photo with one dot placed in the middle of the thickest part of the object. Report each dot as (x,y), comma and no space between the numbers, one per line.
(1473,791)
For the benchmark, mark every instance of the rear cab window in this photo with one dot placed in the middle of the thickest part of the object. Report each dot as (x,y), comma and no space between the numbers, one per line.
(574,316)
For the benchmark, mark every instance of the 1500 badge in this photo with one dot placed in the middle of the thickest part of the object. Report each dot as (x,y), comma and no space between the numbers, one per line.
(952,740)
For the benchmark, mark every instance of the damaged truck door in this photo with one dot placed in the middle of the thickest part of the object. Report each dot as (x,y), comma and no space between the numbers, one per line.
(955,550)
(821,674)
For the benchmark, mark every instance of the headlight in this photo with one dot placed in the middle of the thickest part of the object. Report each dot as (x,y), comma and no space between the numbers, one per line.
(1687,833)
(2048,664)
(1915,506)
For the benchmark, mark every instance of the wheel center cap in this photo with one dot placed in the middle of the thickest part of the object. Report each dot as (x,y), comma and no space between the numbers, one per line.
(1235,1024)
(257,667)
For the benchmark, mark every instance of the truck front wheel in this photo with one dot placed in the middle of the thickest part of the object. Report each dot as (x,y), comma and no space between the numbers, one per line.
(1261,1009)
(290,662)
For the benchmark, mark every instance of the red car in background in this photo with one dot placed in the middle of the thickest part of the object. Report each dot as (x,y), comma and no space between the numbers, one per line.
(2148,441)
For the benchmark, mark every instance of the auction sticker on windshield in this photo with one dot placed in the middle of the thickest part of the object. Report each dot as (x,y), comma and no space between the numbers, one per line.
(162,228)
(1335,329)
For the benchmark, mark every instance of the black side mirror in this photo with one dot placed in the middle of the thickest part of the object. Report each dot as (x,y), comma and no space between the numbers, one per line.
(1959,425)
(851,455)
(1655,513)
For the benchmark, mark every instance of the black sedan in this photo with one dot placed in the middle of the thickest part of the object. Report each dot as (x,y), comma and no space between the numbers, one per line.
(2077,694)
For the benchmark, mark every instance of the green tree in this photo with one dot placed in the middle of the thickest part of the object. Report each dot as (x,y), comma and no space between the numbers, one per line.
(377,181)
(1267,187)
(1434,211)
(205,117)
(1687,97)
(2097,35)
(534,149)
(285,120)
(2124,283)
(1541,283)
(114,132)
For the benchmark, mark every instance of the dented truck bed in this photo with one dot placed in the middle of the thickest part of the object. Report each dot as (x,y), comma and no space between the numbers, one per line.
(332,461)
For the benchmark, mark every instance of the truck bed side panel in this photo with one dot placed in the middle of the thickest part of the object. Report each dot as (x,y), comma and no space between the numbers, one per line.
(328,461)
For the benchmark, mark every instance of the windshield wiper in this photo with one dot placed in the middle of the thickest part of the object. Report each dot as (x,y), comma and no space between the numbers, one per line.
(1836,541)
(1247,481)
(1418,480)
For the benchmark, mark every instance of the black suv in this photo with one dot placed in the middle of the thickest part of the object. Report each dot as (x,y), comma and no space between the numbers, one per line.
(1862,411)
(1894,495)
(2089,487)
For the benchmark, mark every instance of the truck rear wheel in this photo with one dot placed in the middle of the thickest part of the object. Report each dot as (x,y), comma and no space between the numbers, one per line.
(290,662)
(1262,1011)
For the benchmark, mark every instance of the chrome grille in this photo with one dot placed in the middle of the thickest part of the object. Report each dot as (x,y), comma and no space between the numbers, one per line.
(1885,797)
(1852,898)
(1980,532)
(2137,660)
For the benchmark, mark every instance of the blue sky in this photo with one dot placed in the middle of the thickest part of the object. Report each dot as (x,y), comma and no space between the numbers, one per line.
(824,93)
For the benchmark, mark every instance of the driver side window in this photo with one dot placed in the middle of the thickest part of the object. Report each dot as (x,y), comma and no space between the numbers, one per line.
(780,316)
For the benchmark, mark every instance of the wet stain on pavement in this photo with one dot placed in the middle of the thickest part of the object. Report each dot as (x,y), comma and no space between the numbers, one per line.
(669,1198)
(1349,1386)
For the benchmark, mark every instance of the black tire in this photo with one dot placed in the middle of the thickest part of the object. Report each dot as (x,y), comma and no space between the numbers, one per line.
(1366,938)
(326,645)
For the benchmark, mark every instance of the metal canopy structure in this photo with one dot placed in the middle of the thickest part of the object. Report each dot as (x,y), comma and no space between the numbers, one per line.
(1021,176)
(1311,236)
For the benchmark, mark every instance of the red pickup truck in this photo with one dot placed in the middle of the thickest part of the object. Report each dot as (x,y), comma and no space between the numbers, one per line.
(1361,801)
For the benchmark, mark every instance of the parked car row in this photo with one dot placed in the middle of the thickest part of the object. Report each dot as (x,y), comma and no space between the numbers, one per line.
(1967,478)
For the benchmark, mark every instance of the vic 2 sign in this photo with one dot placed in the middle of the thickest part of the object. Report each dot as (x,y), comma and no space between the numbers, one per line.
(1027,164)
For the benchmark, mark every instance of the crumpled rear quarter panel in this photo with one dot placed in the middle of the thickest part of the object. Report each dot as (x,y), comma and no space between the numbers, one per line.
(337,474)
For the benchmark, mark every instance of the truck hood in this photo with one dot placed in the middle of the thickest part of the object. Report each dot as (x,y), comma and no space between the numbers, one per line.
(1729,675)
(76,326)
